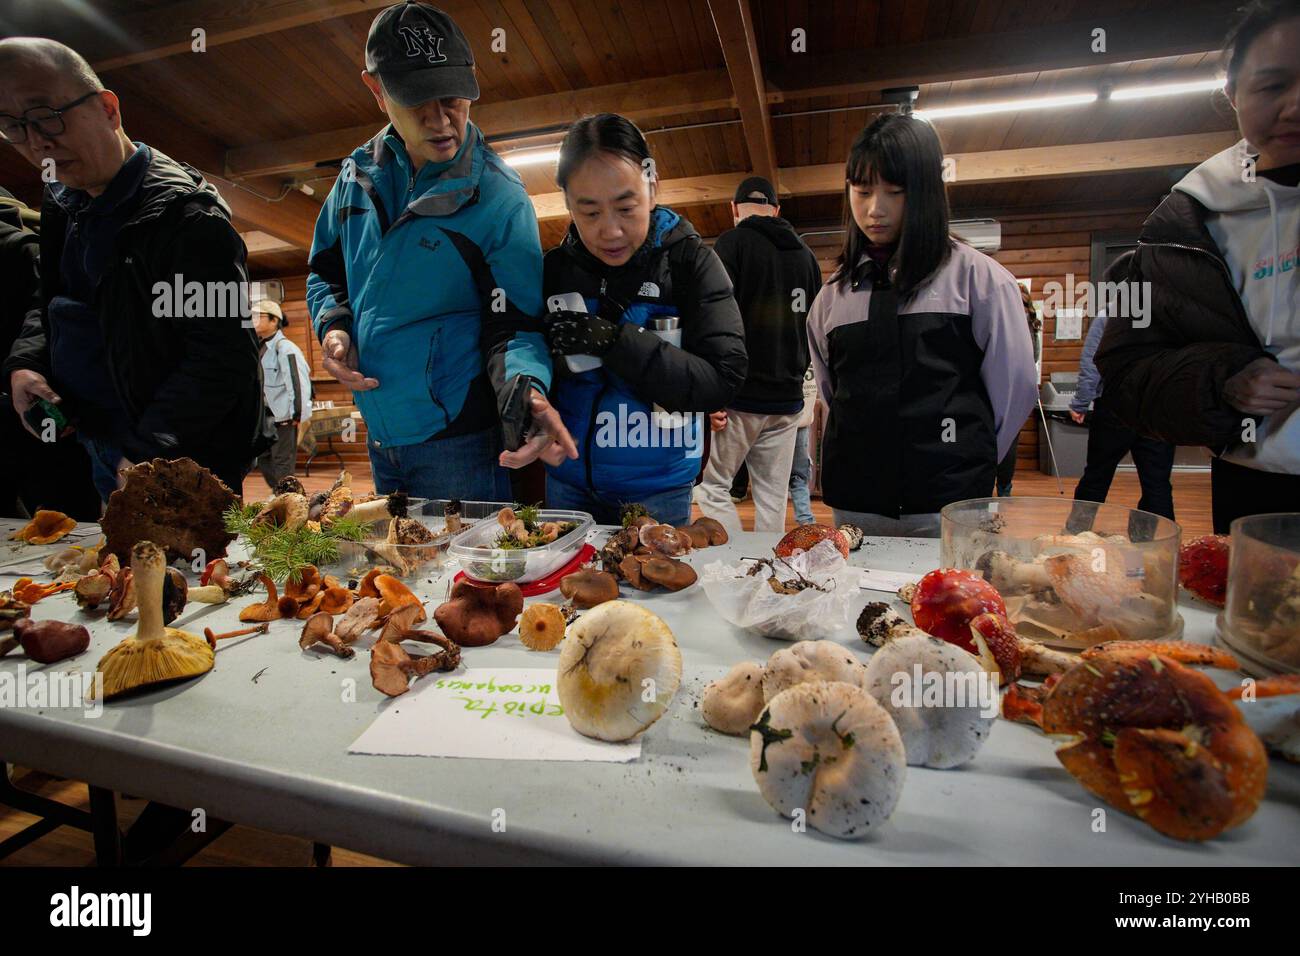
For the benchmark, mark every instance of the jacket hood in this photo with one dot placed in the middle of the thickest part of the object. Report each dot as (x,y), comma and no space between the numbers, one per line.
(774,229)
(666,229)
(1217,184)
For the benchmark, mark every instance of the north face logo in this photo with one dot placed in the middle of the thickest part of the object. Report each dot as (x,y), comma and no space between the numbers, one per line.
(648,290)
(420,41)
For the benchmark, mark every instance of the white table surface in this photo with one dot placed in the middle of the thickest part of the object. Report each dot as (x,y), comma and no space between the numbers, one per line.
(273,754)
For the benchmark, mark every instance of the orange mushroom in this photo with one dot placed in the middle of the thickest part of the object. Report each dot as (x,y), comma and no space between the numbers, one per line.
(395,594)
(45,528)
(269,610)
(29,592)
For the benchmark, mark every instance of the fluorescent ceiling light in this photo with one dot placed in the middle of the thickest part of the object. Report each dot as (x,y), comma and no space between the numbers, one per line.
(525,157)
(1165,89)
(1007,106)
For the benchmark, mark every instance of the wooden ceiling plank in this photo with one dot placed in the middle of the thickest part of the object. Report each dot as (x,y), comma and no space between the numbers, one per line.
(158,33)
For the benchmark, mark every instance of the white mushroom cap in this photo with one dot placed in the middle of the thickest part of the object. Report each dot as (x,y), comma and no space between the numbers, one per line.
(619,669)
(942,733)
(828,749)
(732,703)
(808,661)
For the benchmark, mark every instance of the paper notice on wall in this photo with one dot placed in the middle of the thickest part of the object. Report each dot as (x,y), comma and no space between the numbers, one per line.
(890,581)
(493,713)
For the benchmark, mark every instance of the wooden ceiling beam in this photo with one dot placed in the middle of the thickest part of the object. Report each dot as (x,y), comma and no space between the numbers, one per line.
(735,26)
(991,166)
(638,100)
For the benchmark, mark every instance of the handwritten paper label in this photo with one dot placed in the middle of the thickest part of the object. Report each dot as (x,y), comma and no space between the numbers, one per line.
(497,713)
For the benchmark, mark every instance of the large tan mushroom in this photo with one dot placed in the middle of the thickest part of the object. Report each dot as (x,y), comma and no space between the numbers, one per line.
(619,669)
(810,661)
(945,721)
(588,587)
(829,751)
(731,704)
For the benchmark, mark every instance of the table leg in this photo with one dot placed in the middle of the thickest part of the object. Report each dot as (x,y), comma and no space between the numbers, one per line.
(103,817)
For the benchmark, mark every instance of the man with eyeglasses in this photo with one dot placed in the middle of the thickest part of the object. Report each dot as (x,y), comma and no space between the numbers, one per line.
(101,355)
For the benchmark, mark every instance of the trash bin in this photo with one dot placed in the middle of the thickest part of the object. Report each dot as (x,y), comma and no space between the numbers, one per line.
(1068,441)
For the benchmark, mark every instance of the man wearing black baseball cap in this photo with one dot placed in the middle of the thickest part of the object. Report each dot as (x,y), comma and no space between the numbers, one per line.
(426,278)
(776,278)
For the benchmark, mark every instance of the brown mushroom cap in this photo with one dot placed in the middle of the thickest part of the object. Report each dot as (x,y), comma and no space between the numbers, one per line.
(630,568)
(389,664)
(589,587)
(665,539)
(476,614)
(717,533)
(175,593)
(668,573)
(699,536)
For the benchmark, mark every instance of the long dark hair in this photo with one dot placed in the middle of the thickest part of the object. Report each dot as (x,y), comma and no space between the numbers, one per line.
(1255,18)
(602,133)
(906,152)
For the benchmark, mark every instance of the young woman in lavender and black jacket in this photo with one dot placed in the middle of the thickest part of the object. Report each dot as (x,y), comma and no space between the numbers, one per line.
(631,261)
(918,345)
(1216,360)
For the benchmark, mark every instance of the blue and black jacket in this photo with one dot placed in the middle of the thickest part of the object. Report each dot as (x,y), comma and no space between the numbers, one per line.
(673,273)
(436,276)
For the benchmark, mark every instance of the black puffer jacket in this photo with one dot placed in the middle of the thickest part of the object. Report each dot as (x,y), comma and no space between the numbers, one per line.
(191,385)
(1165,379)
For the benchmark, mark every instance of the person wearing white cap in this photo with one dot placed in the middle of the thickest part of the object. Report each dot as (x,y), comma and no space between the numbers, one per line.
(286,386)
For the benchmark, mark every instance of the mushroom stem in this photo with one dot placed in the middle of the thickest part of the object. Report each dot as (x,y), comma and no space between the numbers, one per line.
(148,567)
(213,638)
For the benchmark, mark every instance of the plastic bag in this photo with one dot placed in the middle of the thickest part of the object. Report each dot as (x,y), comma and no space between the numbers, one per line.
(808,615)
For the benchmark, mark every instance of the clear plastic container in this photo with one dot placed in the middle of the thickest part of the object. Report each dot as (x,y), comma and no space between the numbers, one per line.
(1066,569)
(413,560)
(1260,622)
(483,562)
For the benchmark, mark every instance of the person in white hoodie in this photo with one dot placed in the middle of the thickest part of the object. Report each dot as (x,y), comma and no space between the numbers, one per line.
(1211,356)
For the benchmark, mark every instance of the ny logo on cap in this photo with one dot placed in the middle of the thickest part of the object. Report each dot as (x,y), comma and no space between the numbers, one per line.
(420,41)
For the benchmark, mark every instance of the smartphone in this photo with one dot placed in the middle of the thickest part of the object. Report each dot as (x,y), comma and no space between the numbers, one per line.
(45,410)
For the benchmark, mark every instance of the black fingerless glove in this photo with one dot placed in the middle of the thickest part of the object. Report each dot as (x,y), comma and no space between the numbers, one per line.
(578,333)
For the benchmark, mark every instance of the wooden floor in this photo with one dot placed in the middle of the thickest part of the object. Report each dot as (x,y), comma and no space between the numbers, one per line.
(245,846)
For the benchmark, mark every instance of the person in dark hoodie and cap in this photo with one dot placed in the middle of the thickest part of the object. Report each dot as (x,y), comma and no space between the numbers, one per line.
(104,348)
(776,278)
(1214,357)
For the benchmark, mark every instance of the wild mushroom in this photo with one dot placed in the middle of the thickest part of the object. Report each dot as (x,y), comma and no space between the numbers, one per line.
(942,725)
(362,616)
(391,667)
(588,587)
(807,661)
(732,703)
(319,629)
(46,527)
(215,583)
(853,535)
(394,594)
(212,637)
(630,569)
(268,610)
(155,653)
(664,539)
(121,597)
(400,621)
(668,573)
(829,751)
(542,627)
(1011,576)
(47,642)
(477,614)
(807,536)
(96,586)
(879,623)
(175,594)
(714,528)
(288,511)
(619,669)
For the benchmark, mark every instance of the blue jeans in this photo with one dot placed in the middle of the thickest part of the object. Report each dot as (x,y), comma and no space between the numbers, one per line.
(800,472)
(103,464)
(669,507)
(463,467)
